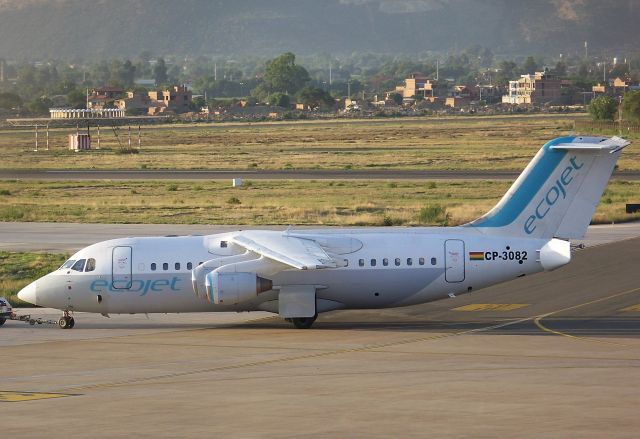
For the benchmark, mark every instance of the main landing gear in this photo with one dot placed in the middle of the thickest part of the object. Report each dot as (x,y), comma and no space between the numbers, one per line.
(66,321)
(303,322)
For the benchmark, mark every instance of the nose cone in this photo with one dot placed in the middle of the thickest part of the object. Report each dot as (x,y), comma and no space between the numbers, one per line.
(28,293)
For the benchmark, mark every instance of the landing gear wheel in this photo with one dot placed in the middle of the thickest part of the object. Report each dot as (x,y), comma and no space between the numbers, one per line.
(303,322)
(66,321)
(2,320)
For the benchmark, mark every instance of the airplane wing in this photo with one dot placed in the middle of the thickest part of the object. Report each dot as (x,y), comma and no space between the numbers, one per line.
(300,253)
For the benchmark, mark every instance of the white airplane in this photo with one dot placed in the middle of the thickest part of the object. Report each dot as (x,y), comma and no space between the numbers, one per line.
(299,274)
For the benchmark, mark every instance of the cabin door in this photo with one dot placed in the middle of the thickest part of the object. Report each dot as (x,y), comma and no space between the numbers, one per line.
(454,260)
(121,269)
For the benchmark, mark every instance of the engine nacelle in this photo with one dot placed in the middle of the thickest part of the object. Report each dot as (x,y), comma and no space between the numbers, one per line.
(228,288)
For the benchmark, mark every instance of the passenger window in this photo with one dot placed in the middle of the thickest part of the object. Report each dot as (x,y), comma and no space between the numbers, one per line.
(397,261)
(79,265)
(421,261)
(385,262)
(373,262)
(189,265)
(91,265)
(346,262)
(177,266)
(68,264)
(433,261)
(361,262)
(409,261)
(153,266)
(165,266)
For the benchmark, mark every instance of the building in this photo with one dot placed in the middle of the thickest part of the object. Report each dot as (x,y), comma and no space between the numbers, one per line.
(134,101)
(623,85)
(104,96)
(176,100)
(537,89)
(418,86)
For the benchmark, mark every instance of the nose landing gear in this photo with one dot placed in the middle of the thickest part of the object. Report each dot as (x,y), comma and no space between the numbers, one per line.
(66,321)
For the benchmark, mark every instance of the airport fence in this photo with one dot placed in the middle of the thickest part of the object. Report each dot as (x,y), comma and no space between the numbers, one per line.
(590,125)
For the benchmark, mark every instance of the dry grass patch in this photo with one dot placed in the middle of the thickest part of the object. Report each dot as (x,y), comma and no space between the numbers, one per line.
(344,203)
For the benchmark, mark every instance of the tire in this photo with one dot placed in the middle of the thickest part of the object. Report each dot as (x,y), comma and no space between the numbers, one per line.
(2,320)
(72,322)
(63,323)
(303,322)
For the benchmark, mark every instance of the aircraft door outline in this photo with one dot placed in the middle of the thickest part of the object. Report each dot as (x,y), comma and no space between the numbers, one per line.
(122,268)
(454,256)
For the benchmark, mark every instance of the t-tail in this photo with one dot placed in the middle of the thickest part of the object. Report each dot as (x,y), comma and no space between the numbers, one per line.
(557,193)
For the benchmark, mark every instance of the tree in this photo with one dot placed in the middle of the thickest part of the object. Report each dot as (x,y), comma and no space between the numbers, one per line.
(631,106)
(397,98)
(282,75)
(561,69)
(619,71)
(603,108)
(507,72)
(530,66)
(160,72)
(280,99)
(77,98)
(315,97)
(40,105)
(10,101)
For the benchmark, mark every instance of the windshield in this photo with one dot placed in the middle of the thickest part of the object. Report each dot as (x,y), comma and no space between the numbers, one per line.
(68,264)
(79,265)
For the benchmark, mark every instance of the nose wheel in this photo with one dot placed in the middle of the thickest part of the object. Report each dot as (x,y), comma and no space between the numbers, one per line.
(66,321)
(303,322)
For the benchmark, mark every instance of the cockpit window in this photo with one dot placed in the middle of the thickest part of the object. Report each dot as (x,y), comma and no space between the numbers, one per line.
(91,265)
(79,265)
(68,264)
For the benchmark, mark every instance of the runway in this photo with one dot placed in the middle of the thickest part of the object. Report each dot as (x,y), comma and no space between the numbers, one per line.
(551,355)
(70,237)
(300,174)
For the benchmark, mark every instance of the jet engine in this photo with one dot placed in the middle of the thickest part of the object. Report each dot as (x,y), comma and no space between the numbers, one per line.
(231,288)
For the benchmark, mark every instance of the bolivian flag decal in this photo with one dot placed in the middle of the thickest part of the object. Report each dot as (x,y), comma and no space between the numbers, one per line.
(476,256)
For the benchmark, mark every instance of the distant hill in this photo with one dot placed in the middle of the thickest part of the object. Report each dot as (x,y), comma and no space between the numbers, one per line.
(66,28)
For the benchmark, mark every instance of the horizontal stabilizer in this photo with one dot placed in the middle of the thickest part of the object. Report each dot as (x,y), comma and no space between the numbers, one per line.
(613,144)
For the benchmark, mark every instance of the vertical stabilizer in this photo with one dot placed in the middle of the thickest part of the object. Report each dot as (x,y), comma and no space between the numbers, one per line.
(557,193)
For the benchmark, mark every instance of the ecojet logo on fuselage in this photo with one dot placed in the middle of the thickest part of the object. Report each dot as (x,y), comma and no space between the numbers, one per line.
(552,196)
(138,286)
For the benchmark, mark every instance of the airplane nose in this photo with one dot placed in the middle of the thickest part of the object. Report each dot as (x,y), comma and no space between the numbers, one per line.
(28,293)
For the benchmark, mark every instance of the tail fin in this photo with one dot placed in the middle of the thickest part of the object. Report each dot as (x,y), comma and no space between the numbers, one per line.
(557,193)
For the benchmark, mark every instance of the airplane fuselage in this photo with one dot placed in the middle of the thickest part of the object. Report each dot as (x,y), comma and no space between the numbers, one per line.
(388,268)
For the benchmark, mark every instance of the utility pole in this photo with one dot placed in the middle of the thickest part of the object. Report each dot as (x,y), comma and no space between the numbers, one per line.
(437,69)
(620,116)
(330,78)
(586,50)
(215,71)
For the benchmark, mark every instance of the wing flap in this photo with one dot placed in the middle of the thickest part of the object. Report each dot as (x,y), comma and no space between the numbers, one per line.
(300,253)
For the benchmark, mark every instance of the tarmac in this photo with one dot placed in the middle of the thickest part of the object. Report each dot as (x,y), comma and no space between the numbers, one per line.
(551,355)
(269,174)
(70,237)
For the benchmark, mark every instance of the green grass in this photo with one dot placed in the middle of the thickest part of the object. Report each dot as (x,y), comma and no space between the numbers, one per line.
(19,269)
(269,202)
(491,143)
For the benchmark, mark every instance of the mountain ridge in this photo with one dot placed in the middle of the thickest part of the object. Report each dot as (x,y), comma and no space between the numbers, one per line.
(37,29)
